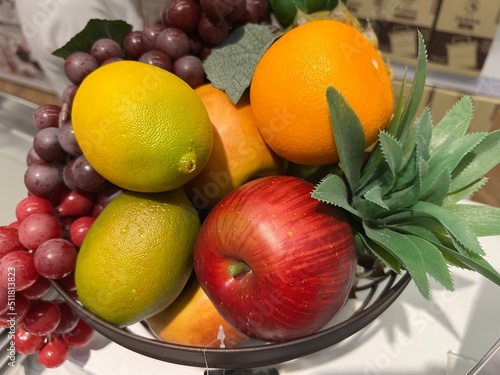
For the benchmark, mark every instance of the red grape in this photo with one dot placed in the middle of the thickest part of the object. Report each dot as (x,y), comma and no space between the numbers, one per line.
(69,319)
(149,35)
(68,283)
(46,116)
(38,228)
(85,176)
(9,240)
(4,299)
(109,193)
(183,14)
(32,157)
(31,205)
(42,317)
(257,11)
(68,176)
(132,45)
(43,179)
(79,228)
(17,270)
(190,69)
(80,335)
(220,10)
(55,258)
(173,42)
(67,139)
(69,94)
(213,32)
(26,342)
(78,65)
(158,59)
(18,306)
(105,49)
(46,145)
(75,203)
(39,289)
(54,353)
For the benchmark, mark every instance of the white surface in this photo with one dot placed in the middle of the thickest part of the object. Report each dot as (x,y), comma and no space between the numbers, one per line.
(48,25)
(413,336)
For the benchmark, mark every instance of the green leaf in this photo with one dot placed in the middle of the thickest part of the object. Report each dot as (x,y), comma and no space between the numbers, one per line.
(464,193)
(414,98)
(374,195)
(453,125)
(404,198)
(333,190)
(392,151)
(485,156)
(454,226)
(438,191)
(401,120)
(425,228)
(401,247)
(423,124)
(94,30)
(409,175)
(376,160)
(349,136)
(435,264)
(449,155)
(382,254)
(483,220)
(475,263)
(231,64)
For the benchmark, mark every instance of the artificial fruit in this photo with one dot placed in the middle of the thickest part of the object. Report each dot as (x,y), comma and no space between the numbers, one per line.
(193,320)
(275,262)
(239,152)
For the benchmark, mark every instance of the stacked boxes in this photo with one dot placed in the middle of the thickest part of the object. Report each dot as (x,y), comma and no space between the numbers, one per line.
(458,33)
(399,21)
(463,35)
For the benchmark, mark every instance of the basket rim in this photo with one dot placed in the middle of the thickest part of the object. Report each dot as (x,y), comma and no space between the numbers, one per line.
(242,357)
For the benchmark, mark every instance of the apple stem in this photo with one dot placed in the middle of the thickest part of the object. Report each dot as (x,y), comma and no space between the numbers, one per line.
(236,269)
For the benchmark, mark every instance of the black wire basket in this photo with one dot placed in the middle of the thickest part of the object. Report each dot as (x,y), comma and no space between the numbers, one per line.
(373,295)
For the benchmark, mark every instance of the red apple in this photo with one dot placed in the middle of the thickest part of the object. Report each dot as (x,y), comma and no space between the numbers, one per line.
(277,263)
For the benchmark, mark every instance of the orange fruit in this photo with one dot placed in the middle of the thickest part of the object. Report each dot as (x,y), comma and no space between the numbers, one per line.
(239,153)
(141,127)
(192,319)
(288,89)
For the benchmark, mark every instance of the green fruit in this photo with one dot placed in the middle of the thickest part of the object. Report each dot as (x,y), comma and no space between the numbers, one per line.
(310,6)
(137,256)
(286,10)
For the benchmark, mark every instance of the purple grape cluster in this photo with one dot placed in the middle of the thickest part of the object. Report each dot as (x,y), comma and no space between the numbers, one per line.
(179,44)
(66,194)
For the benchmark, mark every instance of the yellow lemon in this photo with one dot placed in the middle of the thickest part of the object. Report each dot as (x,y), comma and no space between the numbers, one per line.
(141,127)
(137,256)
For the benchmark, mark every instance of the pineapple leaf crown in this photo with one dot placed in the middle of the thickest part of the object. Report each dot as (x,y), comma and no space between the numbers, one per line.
(405,201)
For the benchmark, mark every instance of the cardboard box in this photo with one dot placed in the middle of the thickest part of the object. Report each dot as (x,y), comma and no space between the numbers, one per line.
(463,35)
(398,22)
(364,10)
(426,96)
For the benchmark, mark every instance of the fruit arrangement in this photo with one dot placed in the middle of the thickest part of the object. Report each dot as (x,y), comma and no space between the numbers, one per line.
(227,169)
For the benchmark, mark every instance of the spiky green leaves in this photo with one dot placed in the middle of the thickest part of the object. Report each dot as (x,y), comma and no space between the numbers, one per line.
(403,201)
